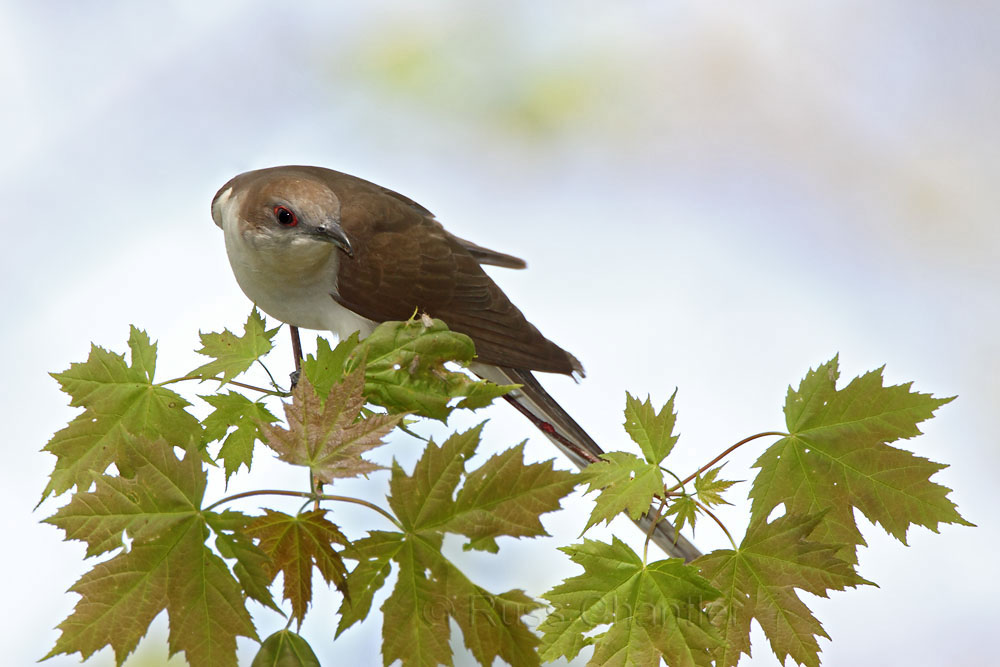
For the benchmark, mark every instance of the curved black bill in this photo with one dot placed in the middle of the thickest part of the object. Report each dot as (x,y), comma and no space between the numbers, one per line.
(332,233)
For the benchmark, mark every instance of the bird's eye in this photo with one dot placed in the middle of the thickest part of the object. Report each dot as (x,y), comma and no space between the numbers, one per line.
(285,216)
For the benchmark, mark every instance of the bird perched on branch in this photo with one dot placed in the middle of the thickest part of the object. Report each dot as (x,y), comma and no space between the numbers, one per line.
(319,249)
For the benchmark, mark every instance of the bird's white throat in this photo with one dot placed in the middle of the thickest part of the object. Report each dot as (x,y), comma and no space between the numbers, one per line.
(289,276)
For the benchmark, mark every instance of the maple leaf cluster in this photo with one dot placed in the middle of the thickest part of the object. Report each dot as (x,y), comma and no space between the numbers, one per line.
(136,457)
(834,458)
(156,499)
(135,463)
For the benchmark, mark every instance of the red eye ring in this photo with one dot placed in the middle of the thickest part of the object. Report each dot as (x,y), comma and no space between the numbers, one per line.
(285,216)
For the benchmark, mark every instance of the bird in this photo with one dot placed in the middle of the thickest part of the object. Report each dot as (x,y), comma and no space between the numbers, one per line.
(321,249)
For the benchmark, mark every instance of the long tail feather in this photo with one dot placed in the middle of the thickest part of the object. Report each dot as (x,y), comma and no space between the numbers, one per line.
(581,448)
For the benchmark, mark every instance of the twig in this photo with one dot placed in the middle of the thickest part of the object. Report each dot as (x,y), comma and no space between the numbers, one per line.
(363,503)
(722,456)
(268,371)
(311,496)
(263,492)
(270,392)
(707,511)
(317,488)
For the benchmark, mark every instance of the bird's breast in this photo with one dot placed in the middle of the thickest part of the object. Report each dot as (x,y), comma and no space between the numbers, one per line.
(291,280)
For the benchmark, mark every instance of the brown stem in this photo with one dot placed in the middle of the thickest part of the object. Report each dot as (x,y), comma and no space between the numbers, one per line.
(306,494)
(232,382)
(363,503)
(722,456)
(707,511)
(296,347)
(265,492)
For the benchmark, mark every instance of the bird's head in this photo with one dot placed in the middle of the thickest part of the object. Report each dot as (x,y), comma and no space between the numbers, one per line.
(281,208)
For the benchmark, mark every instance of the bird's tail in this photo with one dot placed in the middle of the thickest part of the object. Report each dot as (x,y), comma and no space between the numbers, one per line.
(581,448)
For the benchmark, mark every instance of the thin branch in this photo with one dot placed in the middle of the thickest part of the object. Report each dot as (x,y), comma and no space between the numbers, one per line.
(310,496)
(723,455)
(709,512)
(313,490)
(271,377)
(270,392)
(679,485)
(364,503)
(263,492)
(317,486)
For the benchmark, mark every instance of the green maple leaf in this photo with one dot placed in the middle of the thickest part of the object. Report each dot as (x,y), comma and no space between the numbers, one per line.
(685,509)
(652,431)
(327,436)
(143,506)
(168,566)
(374,555)
(119,399)
(504,496)
(237,412)
(837,457)
(654,611)
(296,544)
(406,369)
(429,590)
(327,367)
(415,615)
(484,618)
(709,489)
(143,353)
(758,581)
(234,354)
(626,484)
(427,495)
(252,567)
(285,649)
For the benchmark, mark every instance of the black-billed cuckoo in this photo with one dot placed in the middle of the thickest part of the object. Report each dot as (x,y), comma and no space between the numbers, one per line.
(319,249)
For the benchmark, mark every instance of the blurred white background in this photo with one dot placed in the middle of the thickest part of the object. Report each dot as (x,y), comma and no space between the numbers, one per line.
(711,195)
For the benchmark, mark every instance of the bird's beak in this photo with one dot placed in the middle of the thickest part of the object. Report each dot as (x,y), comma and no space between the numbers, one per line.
(331,232)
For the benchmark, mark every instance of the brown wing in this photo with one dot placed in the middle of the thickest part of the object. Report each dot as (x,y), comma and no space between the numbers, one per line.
(404,260)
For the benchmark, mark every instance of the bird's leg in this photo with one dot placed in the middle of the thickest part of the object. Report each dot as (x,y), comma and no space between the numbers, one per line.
(317,486)
(297,353)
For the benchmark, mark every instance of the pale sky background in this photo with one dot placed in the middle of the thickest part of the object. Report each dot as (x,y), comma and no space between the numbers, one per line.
(713,196)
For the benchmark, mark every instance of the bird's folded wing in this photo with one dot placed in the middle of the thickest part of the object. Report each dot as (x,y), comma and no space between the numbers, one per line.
(405,261)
